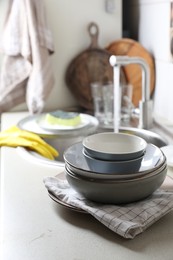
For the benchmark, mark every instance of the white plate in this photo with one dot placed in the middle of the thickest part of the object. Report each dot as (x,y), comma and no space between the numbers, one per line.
(114,146)
(168,151)
(31,124)
(85,120)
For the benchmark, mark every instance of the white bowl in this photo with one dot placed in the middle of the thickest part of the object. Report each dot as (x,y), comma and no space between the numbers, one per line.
(114,146)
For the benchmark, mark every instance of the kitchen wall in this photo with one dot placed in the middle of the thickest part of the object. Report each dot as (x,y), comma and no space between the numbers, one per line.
(68,22)
(151,23)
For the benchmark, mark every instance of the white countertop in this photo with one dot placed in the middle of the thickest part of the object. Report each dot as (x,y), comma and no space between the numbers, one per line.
(34,227)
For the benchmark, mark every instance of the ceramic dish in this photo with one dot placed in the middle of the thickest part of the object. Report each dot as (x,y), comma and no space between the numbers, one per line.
(122,180)
(32,124)
(73,156)
(116,192)
(114,146)
(56,128)
(104,177)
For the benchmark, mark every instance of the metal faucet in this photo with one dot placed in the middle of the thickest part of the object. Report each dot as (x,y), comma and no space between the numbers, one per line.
(145,104)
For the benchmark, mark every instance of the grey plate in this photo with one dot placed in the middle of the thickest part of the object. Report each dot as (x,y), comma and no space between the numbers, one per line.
(73,156)
(122,180)
(61,176)
(115,177)
(64,204)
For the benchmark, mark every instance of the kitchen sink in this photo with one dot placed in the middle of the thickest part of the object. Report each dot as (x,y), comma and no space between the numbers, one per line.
(149,136)
(62,143)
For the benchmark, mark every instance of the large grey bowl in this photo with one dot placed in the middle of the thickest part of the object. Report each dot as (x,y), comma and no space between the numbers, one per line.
(116,191)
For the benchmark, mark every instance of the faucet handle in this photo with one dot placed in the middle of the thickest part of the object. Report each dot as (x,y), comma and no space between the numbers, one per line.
(146,110)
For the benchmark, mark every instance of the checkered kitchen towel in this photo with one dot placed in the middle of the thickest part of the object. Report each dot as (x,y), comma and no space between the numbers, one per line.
(26,73)
(127,220)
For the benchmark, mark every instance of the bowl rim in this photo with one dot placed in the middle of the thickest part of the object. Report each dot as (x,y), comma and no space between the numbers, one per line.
(116,176)
(114,181)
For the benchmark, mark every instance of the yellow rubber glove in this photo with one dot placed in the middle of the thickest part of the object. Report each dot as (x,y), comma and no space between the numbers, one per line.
(14,137)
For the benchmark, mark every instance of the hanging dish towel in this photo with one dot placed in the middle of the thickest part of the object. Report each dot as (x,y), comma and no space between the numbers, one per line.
(27,44)
(128,220)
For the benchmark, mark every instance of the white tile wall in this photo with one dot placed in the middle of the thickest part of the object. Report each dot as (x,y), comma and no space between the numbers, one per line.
(154,33)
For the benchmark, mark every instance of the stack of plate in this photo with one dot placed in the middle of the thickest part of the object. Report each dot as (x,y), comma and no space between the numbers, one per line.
(115,168)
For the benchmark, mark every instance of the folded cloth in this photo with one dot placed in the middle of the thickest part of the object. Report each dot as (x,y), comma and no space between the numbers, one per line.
(26,73)
(126,220)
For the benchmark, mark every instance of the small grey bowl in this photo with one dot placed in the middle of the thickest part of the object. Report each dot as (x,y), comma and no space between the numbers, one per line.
(116,191)
(113,167)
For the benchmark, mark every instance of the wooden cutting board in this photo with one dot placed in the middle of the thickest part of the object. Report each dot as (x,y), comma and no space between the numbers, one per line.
(133,72)
(89,66)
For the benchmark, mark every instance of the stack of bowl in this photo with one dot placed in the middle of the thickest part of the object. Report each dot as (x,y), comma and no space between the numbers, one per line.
(115,168)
